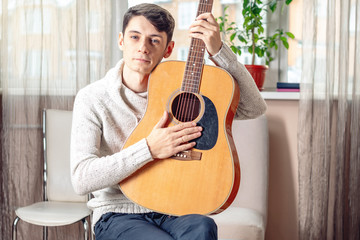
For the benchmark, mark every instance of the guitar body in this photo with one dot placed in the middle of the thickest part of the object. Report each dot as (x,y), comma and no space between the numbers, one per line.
(206,180)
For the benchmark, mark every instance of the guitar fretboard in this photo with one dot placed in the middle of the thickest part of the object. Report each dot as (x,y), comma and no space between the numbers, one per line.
(195,61)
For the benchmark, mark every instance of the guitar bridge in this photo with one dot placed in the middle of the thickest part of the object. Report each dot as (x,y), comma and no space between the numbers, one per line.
(188,155)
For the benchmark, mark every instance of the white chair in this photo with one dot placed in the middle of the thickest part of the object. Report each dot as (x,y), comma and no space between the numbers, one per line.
(246,217)
(61,205)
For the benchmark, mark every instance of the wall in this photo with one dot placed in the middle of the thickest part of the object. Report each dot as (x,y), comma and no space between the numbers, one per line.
(283,170)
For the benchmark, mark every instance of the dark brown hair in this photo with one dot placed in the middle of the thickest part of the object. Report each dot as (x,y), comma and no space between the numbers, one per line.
(156,15)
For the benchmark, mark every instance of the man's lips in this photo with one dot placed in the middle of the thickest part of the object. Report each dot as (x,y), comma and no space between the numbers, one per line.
(142,60)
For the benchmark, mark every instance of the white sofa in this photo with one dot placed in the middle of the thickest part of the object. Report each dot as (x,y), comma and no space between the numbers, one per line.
(246,217)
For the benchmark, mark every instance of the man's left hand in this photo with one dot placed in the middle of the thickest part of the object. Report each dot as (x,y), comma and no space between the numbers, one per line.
(207,29)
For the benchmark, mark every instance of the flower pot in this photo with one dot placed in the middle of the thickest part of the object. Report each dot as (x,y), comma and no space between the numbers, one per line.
(258,73)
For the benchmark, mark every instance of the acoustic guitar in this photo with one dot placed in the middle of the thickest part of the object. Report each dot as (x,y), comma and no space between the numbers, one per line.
(205,179)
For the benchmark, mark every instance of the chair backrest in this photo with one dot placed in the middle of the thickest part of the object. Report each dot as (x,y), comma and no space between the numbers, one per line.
(251,138)
(56,133)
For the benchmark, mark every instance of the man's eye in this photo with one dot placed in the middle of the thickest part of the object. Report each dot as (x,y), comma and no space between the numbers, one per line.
(155,41)
(134,37)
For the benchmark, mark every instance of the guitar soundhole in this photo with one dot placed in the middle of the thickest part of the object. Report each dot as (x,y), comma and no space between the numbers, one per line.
(186,107)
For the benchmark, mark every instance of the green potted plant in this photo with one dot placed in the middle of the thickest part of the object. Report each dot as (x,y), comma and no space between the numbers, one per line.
(251,36)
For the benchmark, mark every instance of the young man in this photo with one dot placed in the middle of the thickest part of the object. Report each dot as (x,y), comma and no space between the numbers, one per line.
(105,113)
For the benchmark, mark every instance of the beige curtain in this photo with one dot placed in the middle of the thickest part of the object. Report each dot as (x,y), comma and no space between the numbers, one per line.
(329,121)
(49,50)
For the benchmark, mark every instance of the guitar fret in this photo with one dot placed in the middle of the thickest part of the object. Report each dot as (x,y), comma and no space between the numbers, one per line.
(189,77)
(194,69)
(198,51)
(195,87)
(192,90)
(197,66)
(202,51)
(195,60)
(194,51)
(194,64)
(189,74)
(193,84)
(192,74)
(195,56)
(190,67)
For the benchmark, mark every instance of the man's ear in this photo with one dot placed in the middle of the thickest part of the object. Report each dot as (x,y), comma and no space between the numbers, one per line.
(169,49)
(121,40)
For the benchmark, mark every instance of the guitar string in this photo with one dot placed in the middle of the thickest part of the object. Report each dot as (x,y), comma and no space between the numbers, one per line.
(187,102)
(201,54)
(194,69)
(190,98)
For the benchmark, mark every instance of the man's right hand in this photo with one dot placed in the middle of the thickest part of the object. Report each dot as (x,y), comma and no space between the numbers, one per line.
(165,141)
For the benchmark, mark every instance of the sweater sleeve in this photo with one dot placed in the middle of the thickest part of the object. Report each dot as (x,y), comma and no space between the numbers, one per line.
(251,103)
(91,169)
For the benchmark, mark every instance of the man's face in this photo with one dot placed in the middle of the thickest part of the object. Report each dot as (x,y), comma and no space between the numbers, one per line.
(143,46)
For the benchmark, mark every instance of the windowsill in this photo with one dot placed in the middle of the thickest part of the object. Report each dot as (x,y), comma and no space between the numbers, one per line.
(272,94)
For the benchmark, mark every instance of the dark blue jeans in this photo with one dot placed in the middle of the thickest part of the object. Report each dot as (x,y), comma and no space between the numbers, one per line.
(155,226)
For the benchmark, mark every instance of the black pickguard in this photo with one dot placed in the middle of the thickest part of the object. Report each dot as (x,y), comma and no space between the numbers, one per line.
(210,124)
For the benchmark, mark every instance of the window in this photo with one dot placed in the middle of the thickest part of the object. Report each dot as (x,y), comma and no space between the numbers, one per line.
(41,33)
(186,14)
(93,22)
(32,18)
(93,58)
(35,64)
(294,54)
(183,53)
(162,1)
(287,66)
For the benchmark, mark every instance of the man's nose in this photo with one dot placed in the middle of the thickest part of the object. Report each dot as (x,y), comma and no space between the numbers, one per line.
(143,46)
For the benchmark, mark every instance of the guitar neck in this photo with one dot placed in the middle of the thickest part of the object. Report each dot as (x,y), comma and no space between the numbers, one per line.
(195,61)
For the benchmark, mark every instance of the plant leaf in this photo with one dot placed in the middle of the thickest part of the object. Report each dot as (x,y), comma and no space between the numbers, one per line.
(290,35)
(275,36)
(242,39)
(239,51)
(245,3)
(286,44)
(221,26)
(233,48)
(256,10)
(259,52)
(261,29)
(272,5)
(272,44)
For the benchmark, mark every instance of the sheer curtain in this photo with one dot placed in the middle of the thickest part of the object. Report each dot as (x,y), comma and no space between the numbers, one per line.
(49,50)
(329,121)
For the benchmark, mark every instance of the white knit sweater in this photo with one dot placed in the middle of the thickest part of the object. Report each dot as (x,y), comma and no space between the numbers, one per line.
(105,113)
